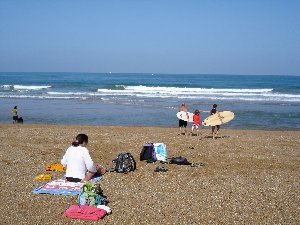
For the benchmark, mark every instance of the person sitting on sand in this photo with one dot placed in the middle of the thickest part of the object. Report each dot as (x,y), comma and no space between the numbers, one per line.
(79,164)
(196,122)
(182,123)
(212,112)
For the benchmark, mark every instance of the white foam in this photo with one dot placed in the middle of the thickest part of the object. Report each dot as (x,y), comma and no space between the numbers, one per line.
(265,94)
(41,97)
(142,92)
(66,93)
(23,87)
(7,86)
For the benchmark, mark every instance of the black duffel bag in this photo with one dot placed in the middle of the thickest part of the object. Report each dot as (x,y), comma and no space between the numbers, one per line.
(179,161)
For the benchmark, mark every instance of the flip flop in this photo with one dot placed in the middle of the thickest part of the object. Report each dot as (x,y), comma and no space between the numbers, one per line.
(43,177)
(110,170)
(160,169)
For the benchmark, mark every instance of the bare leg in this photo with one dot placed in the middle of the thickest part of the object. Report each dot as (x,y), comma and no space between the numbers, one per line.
(88,176)
(218,128)
(213,131)
(100,170)
(193,130)
(182,130)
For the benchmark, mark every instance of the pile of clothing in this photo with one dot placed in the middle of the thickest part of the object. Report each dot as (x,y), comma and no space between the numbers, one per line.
(86,212)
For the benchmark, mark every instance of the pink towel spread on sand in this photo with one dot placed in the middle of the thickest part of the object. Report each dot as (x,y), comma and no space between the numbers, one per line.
(85,212)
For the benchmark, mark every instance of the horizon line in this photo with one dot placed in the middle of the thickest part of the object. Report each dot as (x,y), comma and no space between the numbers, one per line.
(152,73)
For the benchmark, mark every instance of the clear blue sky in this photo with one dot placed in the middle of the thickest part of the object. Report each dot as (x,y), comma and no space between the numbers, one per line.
(151,36)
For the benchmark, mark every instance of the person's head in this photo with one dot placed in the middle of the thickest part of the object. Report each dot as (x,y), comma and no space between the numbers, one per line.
(80,139)
(215,106)
(196,112)
(183,104)
(15,107)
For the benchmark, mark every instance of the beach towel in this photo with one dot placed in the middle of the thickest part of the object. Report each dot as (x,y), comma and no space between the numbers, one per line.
(85,212)
(62,187)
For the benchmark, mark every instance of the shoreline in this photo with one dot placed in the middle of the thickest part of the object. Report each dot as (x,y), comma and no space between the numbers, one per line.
(207,128)
(247,177)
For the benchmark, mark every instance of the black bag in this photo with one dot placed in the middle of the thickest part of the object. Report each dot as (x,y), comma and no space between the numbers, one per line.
(148,153)
(124,163)
(179,161)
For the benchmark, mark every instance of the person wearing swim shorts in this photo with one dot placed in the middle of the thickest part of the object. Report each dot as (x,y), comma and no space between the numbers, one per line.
(182,124)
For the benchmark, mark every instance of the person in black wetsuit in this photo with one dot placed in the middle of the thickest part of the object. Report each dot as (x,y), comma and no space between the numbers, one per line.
(213,128)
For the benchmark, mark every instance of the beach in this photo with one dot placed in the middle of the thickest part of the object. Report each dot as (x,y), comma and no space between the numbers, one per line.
(242,177)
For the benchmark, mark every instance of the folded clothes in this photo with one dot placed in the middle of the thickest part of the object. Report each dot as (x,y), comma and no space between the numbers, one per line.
(56,167)
(85,212)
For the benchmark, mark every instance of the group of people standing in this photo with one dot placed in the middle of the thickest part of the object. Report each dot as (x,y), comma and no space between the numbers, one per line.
(197,121)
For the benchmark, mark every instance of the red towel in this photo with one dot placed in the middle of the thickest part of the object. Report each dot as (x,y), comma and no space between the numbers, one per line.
(85,212)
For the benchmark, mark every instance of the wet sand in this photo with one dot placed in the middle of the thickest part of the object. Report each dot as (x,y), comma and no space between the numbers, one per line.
(242,177)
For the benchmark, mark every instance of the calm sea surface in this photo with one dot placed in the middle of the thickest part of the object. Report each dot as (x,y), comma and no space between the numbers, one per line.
(259,102)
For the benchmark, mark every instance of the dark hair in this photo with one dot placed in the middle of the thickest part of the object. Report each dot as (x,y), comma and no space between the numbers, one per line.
(196,112)
(215,106)
(15,107)
(80,138)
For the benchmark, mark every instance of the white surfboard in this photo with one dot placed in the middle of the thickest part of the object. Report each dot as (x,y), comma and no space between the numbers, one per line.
(218,119)
(186,116)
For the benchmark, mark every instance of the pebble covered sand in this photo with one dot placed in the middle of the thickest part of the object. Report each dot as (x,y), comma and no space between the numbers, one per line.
(242,177)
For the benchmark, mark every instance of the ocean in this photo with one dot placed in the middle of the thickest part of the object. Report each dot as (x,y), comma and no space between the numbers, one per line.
(122,99)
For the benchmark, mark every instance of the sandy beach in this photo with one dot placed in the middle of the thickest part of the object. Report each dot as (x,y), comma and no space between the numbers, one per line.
(244,176)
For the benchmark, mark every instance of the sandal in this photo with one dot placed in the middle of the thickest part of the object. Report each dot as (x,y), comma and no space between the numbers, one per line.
(43,177)
(160,169)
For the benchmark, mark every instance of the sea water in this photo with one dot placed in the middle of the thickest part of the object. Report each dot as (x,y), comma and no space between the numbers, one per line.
(118,99)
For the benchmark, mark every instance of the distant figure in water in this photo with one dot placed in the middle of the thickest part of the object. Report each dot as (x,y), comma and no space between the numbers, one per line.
(212,112)
(15,114)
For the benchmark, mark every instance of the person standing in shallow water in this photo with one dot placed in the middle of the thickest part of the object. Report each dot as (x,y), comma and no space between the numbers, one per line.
(15,114)
(182,123)
(213,128)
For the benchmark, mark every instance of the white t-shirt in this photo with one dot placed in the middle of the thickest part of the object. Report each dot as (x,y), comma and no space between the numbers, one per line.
(78,161)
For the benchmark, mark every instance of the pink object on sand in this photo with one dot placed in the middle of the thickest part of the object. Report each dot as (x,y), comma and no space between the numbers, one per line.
(85,212)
